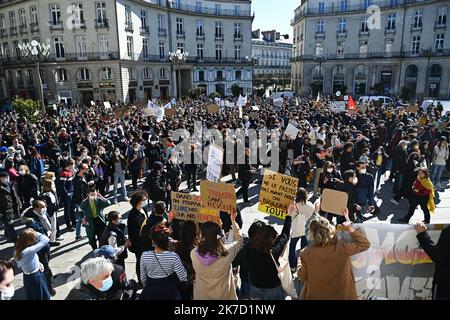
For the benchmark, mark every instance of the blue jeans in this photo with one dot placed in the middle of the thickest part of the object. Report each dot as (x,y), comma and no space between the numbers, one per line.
(276,293)
(436,173)
(79,221)
(293,252)
(244,290)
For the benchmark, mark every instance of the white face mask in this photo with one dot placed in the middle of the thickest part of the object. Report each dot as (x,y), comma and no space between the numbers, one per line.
(355,180)
(21,172)
(7,293)
(380,152)
(330,170)
(363,171)
(44,211)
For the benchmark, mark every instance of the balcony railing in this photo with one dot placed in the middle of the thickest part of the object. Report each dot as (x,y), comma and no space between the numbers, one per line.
(388,30)
(79,24)
(211,11)
(144,30)
(364,33)
(238,37)
(23,29)
(440,25)
(219,37)
(34,27)
(375,55)
(355,7)
(55,25)
(162,32)
(320,34)
(214,60)
(69,57)
(416,27)
(200,36)
(147,57)
(13,31)
(181,34)
(129,27)
(101,23)
(341,34)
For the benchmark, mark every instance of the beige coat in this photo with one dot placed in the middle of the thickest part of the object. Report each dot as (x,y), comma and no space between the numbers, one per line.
(327,271)
(216,282)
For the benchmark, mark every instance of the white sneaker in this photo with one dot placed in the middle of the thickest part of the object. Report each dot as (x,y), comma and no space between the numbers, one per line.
(395,202)
(60,238)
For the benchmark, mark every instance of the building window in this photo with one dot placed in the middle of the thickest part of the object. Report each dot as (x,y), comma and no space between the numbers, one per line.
(12,19)
(442,16)
(238,74)
(237,52)
(321,7)
(415,45)
(200,51)
(178,4)
(199,28)
(389,44)
(201,76)
(219,32)
(179,26)
(218,52)
(364,24)
(391,21)
(80,42)
(2,22)
(342,28)
(33,15)
(145,48)
(16,49)
(128,22)
(84,74)
(148,74)
(319,48)
(61,75)
(78,16)
(320,26)
(363,46)
(131,74)
(237,30)
(59,47)
(55,13)
(343,5)
(198,7)
(161,24)
(439,42)
(103,45)
(340,48)
(367,3)
(106,74)
(22,18)
(162,50)
(180,46)
(144,19)
(130,47)
(100,12)
(162,73)
(417,20)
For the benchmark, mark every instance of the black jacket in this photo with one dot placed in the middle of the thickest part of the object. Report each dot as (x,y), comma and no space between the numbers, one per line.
(400,159)
(123,160)
(10,204)
(80,185)
(440,254)
(261,268)
(135,221)
(117,231)
(28,187)
(52,207)
(245,170)
(156,186)
(346,159)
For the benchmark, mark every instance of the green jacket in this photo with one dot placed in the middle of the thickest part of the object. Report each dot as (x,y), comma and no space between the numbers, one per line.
(87,213)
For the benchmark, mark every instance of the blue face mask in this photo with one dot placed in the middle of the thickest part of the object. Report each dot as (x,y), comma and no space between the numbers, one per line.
(106,284)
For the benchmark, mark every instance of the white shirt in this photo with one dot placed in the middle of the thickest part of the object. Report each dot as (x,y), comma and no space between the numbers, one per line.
(301,214)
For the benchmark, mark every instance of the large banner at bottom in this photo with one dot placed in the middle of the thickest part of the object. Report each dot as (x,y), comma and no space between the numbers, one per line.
(395,267)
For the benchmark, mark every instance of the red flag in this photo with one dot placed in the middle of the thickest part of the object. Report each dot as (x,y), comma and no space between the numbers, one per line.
(351,105)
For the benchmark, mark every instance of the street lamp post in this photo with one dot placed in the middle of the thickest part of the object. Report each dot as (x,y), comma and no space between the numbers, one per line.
(253,61)
(320,59)
(178,58)
(36,52)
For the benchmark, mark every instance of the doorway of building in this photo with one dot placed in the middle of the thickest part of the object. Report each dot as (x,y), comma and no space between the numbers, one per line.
(148,94)
(86,97)
(164,92)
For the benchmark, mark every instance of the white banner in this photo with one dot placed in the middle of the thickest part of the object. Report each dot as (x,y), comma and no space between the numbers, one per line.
(215,162)
(338,106)
(292,131)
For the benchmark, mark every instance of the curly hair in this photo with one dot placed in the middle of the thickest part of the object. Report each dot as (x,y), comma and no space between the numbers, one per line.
(321,233)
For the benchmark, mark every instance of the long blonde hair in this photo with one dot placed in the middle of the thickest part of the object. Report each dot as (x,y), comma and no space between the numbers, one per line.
(321,233)
(26,239)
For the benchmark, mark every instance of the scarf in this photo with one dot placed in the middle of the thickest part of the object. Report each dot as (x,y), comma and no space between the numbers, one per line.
(427,184)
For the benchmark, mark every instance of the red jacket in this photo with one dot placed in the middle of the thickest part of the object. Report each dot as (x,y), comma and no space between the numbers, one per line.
(422,190)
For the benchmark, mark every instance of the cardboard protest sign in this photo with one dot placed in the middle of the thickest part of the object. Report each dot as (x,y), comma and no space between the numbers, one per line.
(188,207)
(149,112)
(215,162)
(395,266)
(338,106)
(292,131)
(106,104)
(219,196)
(412,109)
(170,112)
(278,191)
(334,201)
(213,108)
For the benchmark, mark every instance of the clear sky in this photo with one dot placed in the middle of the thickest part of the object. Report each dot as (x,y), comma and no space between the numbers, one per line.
(274,14)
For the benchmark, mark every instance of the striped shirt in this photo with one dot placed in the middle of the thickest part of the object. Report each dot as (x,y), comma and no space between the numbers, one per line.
(170,263)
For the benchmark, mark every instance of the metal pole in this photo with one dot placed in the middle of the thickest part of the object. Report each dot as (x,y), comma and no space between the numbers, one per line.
(179,83)
(41,89)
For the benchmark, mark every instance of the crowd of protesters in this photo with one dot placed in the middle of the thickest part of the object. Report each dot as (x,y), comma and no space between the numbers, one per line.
(78,159)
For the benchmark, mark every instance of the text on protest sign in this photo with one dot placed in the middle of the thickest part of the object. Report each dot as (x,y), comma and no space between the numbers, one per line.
(292,131)
(338,106)
(215,162)
(219,196)
(395,267)
(188,207)
(278,191)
